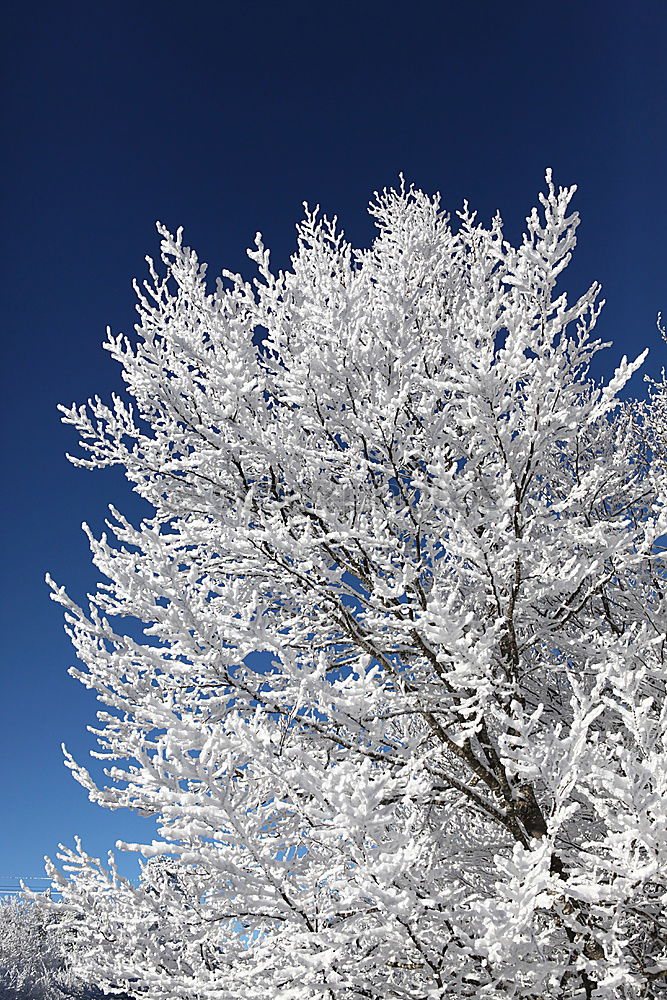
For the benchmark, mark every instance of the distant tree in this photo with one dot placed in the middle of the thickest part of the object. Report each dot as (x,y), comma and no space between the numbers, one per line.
(391,473)
(35,954)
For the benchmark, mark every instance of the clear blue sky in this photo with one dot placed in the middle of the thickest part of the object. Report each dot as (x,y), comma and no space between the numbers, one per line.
(223,117)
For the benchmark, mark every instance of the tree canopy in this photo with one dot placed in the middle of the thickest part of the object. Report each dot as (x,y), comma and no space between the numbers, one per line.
(399,703)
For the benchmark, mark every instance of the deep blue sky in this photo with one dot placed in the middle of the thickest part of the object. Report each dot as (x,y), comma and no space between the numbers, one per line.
(223,118)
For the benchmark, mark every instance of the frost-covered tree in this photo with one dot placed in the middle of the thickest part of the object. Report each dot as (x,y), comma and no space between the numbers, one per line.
(36,954)
(400,705)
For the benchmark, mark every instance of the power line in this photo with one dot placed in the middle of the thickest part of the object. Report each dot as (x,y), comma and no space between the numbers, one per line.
(32,878)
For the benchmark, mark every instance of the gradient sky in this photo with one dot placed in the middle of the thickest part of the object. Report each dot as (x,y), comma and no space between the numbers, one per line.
(224,117)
